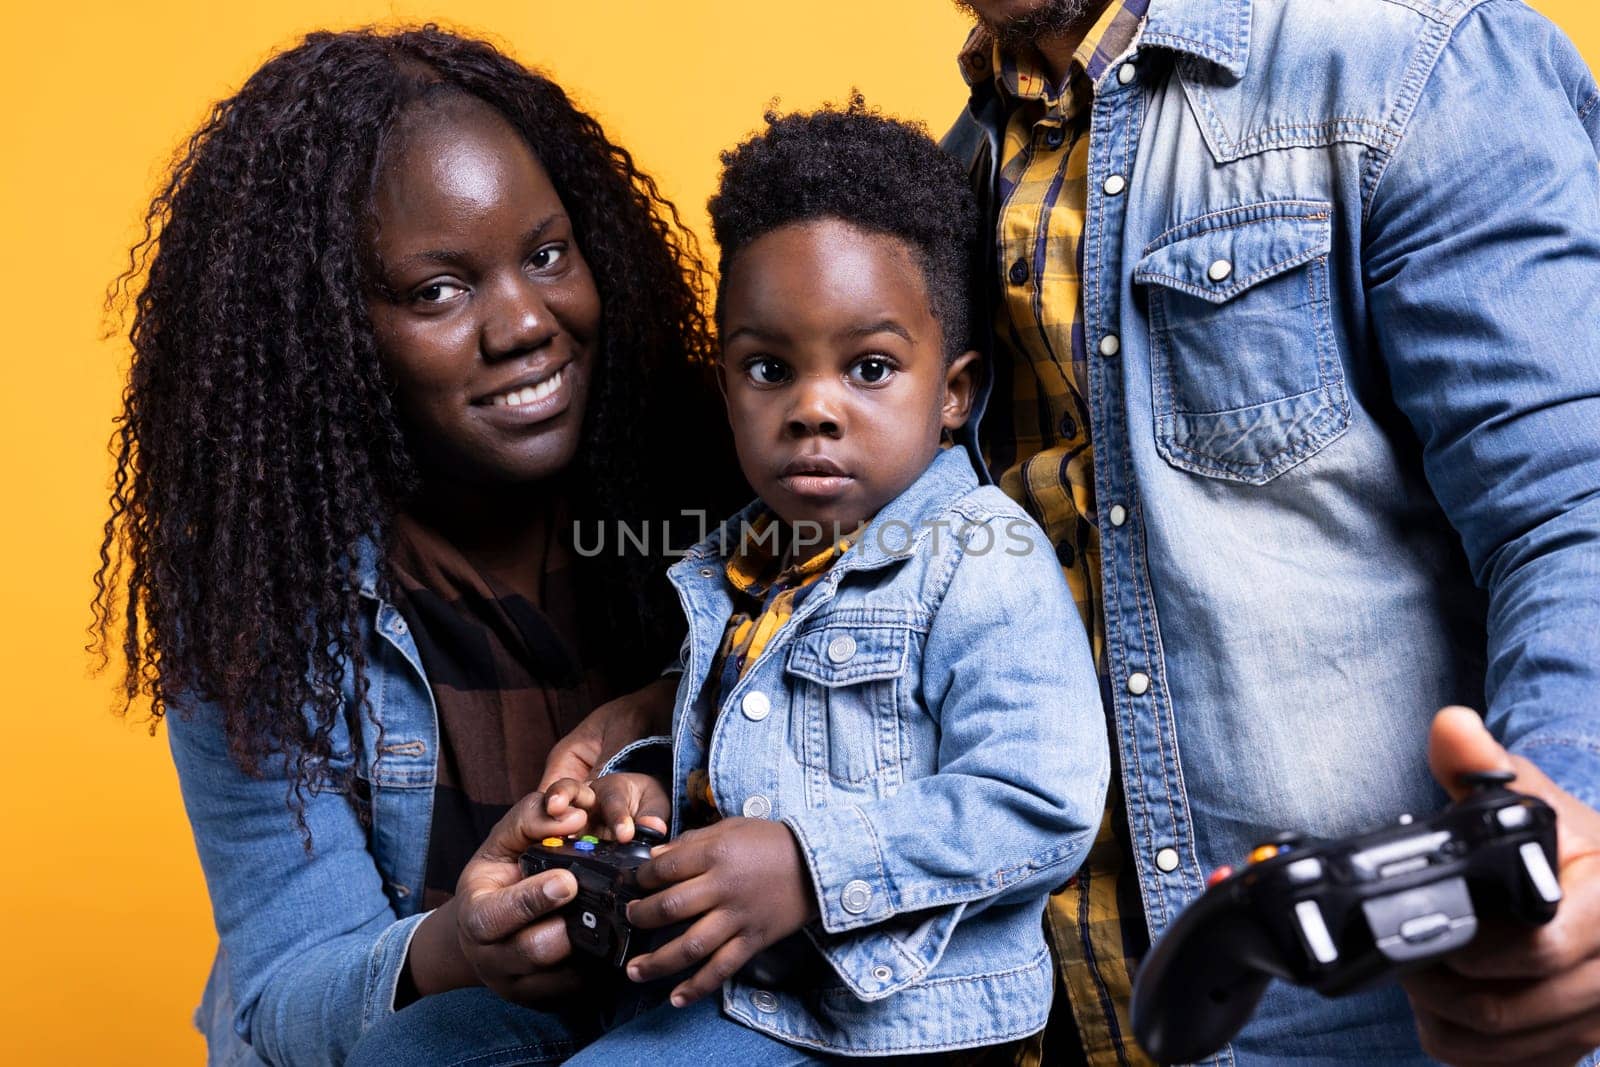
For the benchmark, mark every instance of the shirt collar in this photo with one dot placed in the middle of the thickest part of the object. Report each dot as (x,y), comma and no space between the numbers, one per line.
(1215,30)
(755,569)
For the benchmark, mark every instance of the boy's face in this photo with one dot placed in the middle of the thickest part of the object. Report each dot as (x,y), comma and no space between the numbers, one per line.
(834,372)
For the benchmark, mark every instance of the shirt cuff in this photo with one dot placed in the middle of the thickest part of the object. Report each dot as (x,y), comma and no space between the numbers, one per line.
(388,961)
(648,755)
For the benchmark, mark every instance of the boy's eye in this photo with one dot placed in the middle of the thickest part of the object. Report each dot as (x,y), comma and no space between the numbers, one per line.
(872,370)
(767,371)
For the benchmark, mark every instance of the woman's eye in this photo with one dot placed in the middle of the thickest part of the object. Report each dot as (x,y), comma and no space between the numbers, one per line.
(872,370)
(437,293)
(767,371)
(547,257)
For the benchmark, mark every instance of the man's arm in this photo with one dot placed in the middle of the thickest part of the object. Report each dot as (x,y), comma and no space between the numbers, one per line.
(1482,263)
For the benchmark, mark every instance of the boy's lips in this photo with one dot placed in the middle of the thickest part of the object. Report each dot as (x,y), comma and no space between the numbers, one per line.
(815,476)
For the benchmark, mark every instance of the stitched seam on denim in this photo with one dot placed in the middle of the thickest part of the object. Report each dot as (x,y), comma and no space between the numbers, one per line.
(540,1048)
(1161,240)
(1427,11)
(1431,46)
(1583,112)
(1209,295)
(1591,748)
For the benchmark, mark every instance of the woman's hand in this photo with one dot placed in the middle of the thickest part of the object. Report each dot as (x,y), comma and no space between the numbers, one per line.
(498,930)
(608,729)
(746,881)
(613,803)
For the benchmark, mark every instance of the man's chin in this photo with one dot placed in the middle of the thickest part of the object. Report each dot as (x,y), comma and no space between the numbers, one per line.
(1020,22)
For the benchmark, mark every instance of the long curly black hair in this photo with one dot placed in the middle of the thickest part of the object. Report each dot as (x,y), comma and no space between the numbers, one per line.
(857,166)
(259,453)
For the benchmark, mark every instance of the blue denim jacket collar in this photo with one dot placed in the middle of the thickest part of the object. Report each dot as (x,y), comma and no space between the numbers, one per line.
(1215,30)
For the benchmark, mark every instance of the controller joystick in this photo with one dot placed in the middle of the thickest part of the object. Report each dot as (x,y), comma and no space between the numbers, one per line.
(1338,916)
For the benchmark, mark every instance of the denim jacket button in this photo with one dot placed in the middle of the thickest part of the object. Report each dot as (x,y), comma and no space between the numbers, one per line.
(857,897)
(841,648)
(1115,184)
(1138,683)
(757,807)
(1219,271)
(1110,344)
(1167,860)
(764,1001)
(708,572)
(399,626)
(1127,72)
(1119,514)
(756,706)
(882,973)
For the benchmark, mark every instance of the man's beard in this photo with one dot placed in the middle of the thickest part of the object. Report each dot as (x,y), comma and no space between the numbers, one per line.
(1050,18)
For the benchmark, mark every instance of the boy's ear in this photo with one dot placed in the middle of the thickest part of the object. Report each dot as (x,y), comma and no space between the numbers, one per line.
(960,383)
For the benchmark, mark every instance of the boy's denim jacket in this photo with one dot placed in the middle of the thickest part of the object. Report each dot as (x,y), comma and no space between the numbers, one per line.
(929,725)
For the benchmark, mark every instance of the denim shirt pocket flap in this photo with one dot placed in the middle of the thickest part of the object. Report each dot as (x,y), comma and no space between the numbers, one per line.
(1245,373)
(1219,256)
(846,655)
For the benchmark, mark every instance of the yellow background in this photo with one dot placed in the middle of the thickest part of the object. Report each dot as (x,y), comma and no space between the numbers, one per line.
(106,931)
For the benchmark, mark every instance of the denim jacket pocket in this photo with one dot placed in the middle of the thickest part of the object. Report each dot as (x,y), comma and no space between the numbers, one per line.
(1245,373)
(846,681)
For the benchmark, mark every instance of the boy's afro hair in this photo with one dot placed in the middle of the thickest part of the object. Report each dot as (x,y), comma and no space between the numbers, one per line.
(857,166)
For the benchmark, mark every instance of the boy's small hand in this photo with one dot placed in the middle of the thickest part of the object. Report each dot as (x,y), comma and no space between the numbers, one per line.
(613,802)
(747,882)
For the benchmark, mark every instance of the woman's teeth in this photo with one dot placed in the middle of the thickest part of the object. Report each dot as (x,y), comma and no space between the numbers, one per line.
(529,394)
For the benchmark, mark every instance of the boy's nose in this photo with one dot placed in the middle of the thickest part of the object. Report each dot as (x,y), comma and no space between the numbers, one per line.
(816,411)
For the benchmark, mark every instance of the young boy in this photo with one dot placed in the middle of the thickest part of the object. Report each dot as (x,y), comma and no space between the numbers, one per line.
(862,764)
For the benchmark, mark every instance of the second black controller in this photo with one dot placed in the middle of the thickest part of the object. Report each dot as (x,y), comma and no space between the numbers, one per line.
(1341,915)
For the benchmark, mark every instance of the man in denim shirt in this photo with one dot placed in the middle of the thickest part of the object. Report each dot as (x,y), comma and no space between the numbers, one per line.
(1297,358)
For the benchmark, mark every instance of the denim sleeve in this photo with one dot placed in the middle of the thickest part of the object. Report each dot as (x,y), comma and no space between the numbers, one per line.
(1023,766)
(312,945)
(1482,267)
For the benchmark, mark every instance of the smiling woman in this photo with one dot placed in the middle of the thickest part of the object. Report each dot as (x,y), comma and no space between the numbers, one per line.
(405,316)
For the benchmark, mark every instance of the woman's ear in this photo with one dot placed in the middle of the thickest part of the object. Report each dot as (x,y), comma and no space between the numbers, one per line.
(960,383)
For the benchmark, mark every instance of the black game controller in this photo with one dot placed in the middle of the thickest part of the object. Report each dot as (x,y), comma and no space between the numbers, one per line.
(597,918)
(1341,915)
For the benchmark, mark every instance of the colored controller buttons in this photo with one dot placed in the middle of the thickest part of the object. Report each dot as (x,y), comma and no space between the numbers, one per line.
(552,842)
(1218,875)
(584,845)
(1266,852)
(593,840)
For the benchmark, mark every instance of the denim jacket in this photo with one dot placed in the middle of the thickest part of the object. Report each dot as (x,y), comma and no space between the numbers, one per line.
(312,944)
(929,725)
(1347,447)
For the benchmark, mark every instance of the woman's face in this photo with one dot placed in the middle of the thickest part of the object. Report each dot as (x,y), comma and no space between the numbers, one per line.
(485,313)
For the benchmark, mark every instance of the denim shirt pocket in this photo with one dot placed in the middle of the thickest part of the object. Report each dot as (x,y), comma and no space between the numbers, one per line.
(1245,374)
(846,682)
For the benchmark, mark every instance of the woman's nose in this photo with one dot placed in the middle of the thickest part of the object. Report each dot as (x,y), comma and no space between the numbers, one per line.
(517,320)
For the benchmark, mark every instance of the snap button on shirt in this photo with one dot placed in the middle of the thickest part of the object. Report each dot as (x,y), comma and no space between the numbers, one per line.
(1138,683)
(757,807)
(1110,344)
(1119,514)
(842,648)
(1115,184)
(1127,72)
(764,1001)
(1220,270)
(1167,860)
(755,706)
(857,897)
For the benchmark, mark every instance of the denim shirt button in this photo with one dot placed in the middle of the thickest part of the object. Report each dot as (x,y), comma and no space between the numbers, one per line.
(857,897)
(756,706)
(1119,514)
(1138,683)
(841,648)
(757,807)
(1167,860)
(1110,344)
(1115,184)
(1127,72)
(881,973)
(1219,271)
(400,891)
(764,1001)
